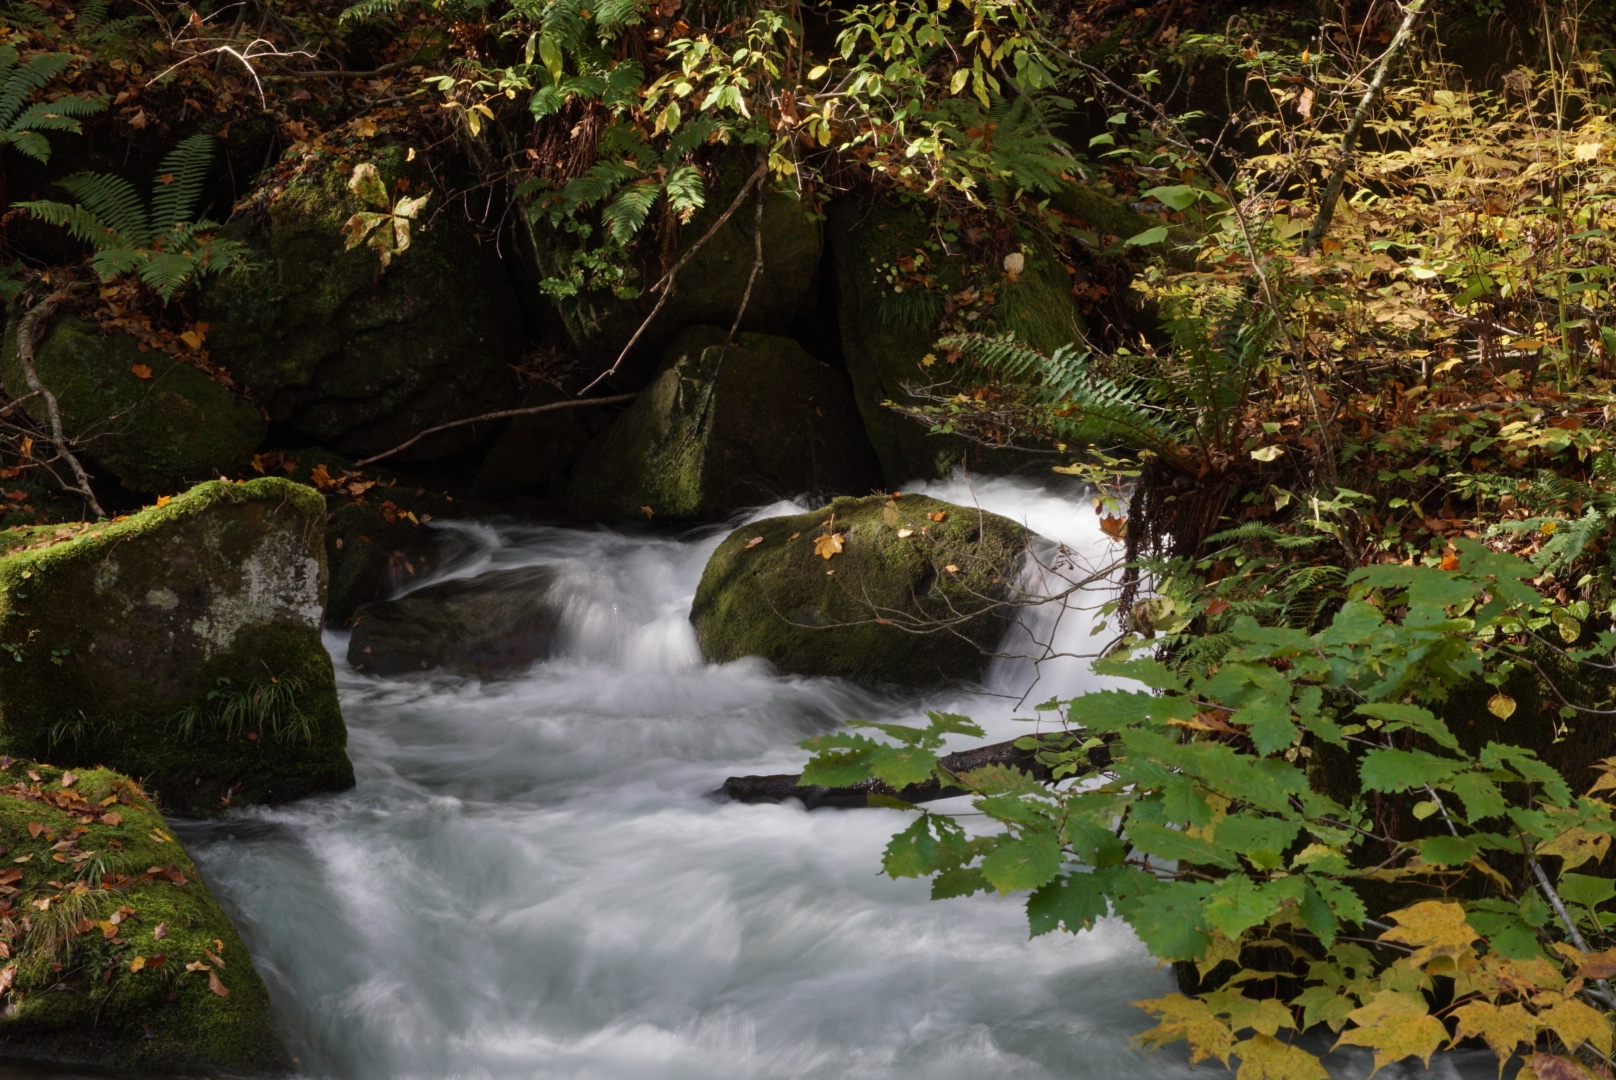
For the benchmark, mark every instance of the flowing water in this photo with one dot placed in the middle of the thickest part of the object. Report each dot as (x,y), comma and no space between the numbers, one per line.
(532,880)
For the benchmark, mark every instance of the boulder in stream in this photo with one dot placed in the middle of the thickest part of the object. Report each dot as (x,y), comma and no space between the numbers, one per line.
(119,956)
(719,430)
(180,645)
(491,624)
(912,590)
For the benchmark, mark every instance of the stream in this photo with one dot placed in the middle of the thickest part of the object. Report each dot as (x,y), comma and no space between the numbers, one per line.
(532,880)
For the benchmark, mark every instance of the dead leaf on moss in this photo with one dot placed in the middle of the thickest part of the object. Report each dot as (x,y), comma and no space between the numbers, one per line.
(904,534)
(141,371)
(938,515)
(754,542)
(216,986)
(828,545)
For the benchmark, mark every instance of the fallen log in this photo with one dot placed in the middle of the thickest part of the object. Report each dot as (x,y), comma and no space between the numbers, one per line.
(783,786)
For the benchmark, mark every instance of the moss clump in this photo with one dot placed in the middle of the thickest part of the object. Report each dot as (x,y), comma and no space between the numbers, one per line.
(704,440)
(809,615)
(886,333)
(358,359)
(117,953)
(112,631)
(158,434)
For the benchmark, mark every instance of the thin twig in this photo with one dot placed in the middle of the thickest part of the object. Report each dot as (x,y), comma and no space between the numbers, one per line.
(27,326)
(740,313)
(576,403)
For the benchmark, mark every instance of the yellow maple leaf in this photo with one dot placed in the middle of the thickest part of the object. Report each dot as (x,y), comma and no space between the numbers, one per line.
(1434,928)
(1575,1022)
(1576,846)
(1263,1057)
(1216,953)
(828,545)
(1395,1025)
(1504,1027)
(1190,1020)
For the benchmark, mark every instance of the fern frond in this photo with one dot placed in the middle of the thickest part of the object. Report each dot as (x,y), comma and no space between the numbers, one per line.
(623,218)
(168,272)
(23,79)
(31,143)
(114,201)
(42,114)
(117,260)
(614,15)
(82,225)
(180,180)
(367,10)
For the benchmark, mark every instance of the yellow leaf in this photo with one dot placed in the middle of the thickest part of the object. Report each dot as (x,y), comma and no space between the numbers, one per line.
(904,534)
(1501,706)
(192,338)
(1587,151)
(1190,1020)
(1576,846)
(164,500)
(1266,1017)
(754,542)
(1574,1021)
(951,568)
(1504,1027)
(137,964)
(828,545)
(1264,1057)
(1267,453)
(1434,927)
(1216,953)
(1395,1025)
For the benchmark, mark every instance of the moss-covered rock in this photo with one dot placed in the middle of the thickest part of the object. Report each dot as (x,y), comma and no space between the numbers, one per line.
(905,565)
(158,434)
(708,437)
(118,954)
(354,358)
(492,624)
(180,645)
(887,332)
(708,289)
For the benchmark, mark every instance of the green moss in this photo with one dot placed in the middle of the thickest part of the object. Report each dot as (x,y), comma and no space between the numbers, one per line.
(155,435)
(109,629)
(352,357)
(703,440)
(808,615)
(88,852)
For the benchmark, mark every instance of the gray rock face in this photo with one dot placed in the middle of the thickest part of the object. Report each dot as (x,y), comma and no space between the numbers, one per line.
(492,624)
(708,438)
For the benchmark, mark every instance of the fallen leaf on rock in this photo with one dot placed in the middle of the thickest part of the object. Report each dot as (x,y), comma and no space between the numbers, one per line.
(140,371)
(164,500)
(113,819)
(68,780)
(754,542)
(214,960)
(648,512)
(904,534)
(34,829)
(792,537)
(828,545)
(161,932)
(158,836)
(137,964)
(938,515)
(951,568)
(216,986)
(197,965)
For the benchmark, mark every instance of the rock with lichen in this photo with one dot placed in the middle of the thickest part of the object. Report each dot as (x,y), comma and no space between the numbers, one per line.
(181,645)
(912,591)
(116,954)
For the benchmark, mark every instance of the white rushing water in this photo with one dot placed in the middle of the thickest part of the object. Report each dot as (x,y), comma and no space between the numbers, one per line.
(530,879)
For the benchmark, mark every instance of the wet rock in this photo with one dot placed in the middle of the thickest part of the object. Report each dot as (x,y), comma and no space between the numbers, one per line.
(492,624)
(156,435)
(181,645)
(709,288)
(768,591)
(707,438)
(534,455)
(890,324)
(81,997)
(350,357)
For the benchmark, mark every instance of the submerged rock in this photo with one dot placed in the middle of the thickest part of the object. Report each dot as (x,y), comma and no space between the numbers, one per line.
(159,434)
(491,624)
(896,566)
(360,360)
(181,645)
(706,439)
(119,956)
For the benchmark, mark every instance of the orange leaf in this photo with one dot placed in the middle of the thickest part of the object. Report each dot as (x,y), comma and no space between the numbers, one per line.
(938,515)
(137,964)
(754,542)
(827,546)
(34,829)
(1217,607)
(141,371)
(216,986)
(112,819)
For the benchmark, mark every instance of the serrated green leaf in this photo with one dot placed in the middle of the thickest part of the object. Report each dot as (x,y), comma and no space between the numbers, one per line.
(1400,770)
(1026,863)
(1245,833)
(1399,716)
(1165,843)
(1071,901)
(913,852)
(1481,796)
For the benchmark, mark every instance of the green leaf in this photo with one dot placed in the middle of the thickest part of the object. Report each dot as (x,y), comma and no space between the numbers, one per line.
(1399,770)
(1449,850)
(960,881)
(1481,796)
(1165,843)
(1270,723)
(913,852)
(1399,716)
(1071,901)
(366,183)
(1237,904)
(1149,236)
(901,766)
(1023,864)
(1246,833)
(1177,196)
(1586,890)
(1167,918)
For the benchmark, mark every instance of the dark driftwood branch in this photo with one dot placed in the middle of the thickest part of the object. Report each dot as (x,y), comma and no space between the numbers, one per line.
(666,282)
(576,403)
(778,788)
(1360,116)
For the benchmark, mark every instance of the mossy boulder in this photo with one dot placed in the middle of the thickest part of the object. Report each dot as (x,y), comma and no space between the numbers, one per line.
(180,645)
(890,324)
(720,429)
(708,289)
(919,594)
(158,434)
(118,954)
(492,624)
(350,357)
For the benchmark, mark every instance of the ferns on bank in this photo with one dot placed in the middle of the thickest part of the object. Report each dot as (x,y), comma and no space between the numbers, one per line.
(22,127)
(155,240)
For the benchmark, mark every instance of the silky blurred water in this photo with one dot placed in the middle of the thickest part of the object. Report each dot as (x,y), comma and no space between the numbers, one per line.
(531,880)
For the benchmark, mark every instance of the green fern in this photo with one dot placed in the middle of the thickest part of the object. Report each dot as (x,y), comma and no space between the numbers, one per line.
(155,241)
(21,127)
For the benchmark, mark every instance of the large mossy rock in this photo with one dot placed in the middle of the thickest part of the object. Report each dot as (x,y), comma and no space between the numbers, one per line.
(180,645)
(888,331)
(78,995)
(157,435)
(708,289)
(778,598)
(492,624)
(360,360)
(710,436)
